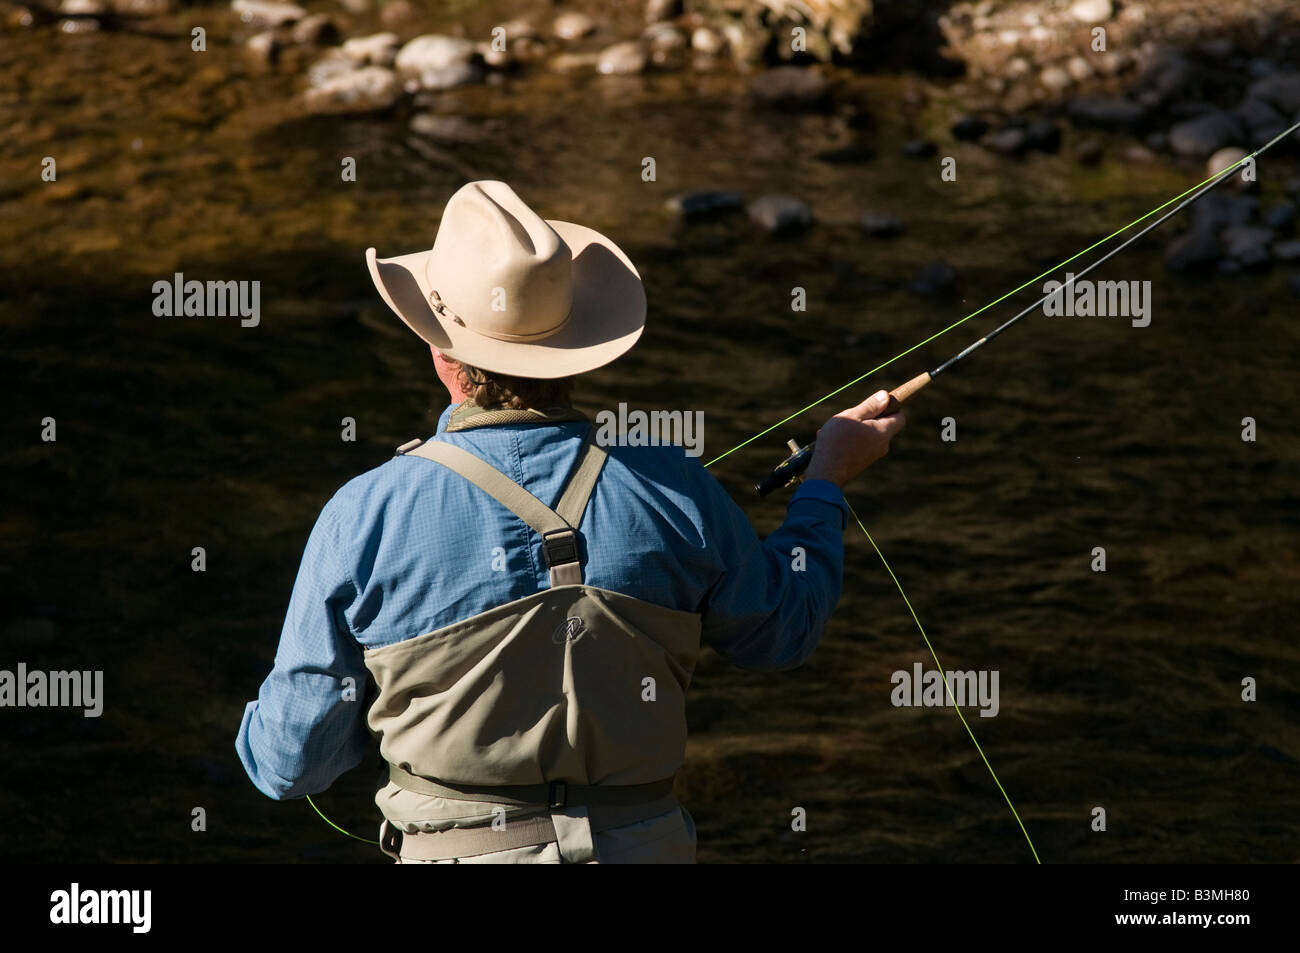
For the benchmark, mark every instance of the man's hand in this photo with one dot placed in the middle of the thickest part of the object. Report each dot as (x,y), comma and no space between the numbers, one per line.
(852,440)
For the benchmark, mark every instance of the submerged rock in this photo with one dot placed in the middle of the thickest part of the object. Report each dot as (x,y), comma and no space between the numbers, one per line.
(780,214)
(790,87)
(1010,140)
(919,149)
(573,25)
(969,128)
(433,52)
(1287,251)
(933,278)
(316,29)
(1195,249)
(1112,111)
(881,226)
(379,49)
(623,59)
(1282,90)
(1205,134)
(700,204)
(267,13)
(1248,245)
(369,89)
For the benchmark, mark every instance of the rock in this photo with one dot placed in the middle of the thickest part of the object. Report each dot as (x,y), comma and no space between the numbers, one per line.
(1292,186)
(1089,153)
(664,37)
(1295,285)
(572,25)
(1248,245)
(1043,135)
(847,155)
(1196,249)
(780,214)
(969,128)
(881,226)
(1287,251)
(83,8)
(919,149)
(317,29)
(1205,134)
(519,29)
(1080,70)
(445,77)
(658,10)
(1139,154)
(1157,141)
(398,12)
(623,59)
(699,204)
(706,41)
(437,62)
(1168,77)
(264,47)
(369,89)
(446,128)
(329,66)
(1092,11)
(1008,141)
(748,44)
(1256,114)
(356,6)
(1055,79)
(378,49)
(1281,216)
(1281,90)
(267,13)
(1106,111)
(143,8)
(1225,159)
(79,25)
(934,278)
(791,88)
(568,62)
(432,52)
(1218,211)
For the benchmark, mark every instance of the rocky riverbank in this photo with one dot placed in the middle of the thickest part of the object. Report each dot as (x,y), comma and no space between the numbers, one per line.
(1178,81)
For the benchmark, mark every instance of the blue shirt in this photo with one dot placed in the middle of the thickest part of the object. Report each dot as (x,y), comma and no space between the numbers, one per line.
(410,547)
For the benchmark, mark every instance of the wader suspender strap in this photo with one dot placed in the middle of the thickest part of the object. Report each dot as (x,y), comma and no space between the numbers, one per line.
(558,527)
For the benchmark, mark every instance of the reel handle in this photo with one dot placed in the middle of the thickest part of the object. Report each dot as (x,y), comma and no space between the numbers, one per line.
(791,469)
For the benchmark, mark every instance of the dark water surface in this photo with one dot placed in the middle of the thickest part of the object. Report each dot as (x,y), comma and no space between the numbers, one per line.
(1118,690)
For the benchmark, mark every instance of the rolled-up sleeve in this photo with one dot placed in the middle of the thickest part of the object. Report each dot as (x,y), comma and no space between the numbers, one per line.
(308,724)
(773,597)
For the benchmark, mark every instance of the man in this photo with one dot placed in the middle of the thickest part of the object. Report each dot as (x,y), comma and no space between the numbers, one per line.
(531,605)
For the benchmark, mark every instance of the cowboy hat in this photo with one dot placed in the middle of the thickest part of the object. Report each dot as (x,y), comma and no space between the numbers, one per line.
(507,291)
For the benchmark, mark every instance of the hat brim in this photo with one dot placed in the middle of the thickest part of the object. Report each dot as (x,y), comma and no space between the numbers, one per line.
(606,319)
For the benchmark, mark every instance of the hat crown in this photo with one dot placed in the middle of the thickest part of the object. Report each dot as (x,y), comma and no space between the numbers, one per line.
(498,268)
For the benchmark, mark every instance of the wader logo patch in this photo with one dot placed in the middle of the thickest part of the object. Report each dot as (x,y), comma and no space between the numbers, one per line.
(570,630)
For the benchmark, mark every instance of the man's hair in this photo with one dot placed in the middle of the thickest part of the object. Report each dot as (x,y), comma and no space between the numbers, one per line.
(490,389)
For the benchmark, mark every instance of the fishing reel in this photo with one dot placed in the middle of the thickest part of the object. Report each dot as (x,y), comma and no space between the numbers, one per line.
(789,471)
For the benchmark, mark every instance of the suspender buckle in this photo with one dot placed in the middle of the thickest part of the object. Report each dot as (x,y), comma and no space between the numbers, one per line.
(560,546)
(559,794)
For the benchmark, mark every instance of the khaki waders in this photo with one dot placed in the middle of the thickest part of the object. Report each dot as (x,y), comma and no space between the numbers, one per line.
(546,730)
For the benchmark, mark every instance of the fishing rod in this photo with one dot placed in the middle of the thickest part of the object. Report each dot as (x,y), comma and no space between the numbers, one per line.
(791,469)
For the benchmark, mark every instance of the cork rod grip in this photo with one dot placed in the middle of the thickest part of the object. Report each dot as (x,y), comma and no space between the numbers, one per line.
(903,391)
